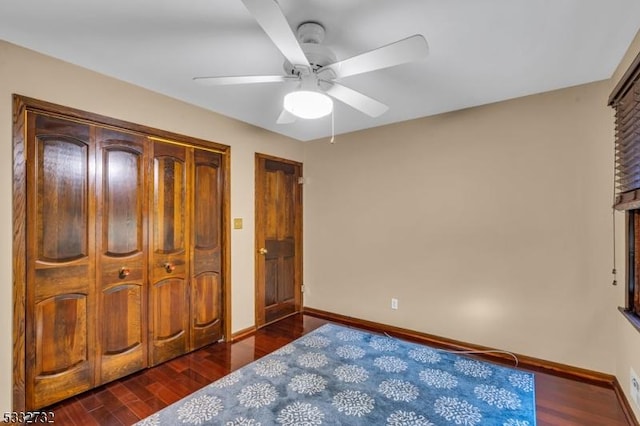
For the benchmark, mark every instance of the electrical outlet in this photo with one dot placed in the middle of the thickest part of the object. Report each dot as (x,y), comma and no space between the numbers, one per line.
(394,303)
(635,388)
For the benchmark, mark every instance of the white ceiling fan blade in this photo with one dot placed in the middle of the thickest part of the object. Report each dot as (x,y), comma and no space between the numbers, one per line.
(242,79)
(286,117)
(411,49)
(270,17)
(357,100)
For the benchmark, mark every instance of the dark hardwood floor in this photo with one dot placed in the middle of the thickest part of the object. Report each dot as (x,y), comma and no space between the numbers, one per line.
(559,401)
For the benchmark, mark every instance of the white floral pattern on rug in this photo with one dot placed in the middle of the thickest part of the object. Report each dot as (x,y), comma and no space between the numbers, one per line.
(152,420)
(351,373)
(390,364)
(438,379)
(198,410)
(243,421)
(257,395)
(308,384)
(425,355)
(522,381)
(407,418)
(285,350)
(317,342)
(353,403)
(349,336)
(300,413)
(457,411)
(383,344)
(498,397)
(228,380)
(350,352)
(473,368)
(515,422)
(270,368)
(398,390)
(313,360)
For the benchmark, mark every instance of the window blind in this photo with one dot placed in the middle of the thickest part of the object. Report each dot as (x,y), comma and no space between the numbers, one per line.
(625,99)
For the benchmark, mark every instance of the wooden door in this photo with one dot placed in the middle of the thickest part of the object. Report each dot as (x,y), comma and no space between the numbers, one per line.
(168,264)
(206,266)
(121,239)
(278,238)
(60,289)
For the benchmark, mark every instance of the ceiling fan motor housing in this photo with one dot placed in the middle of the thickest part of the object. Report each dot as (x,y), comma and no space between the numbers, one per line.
(311,35)
(310,32)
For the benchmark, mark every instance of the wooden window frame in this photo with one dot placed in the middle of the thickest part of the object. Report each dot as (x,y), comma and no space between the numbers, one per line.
(631,310)
(625,99)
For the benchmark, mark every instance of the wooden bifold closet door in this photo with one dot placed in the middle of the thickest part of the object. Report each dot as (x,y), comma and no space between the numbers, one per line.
(206,250)
(60,294)
(186,290)
(87,203)
(169,298)
(124,253)
(121,238)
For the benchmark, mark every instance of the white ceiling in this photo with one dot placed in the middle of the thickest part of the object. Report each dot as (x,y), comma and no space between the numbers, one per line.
(481,51)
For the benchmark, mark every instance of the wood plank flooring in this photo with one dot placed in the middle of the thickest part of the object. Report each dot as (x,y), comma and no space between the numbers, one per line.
(559,401)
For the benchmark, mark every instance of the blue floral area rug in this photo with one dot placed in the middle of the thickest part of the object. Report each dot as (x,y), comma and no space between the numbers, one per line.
(342,376)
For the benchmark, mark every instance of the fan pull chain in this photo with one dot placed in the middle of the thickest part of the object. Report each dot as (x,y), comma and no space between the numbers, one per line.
(333,126)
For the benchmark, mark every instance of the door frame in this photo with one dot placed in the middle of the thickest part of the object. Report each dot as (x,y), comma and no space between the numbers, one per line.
(24,104)
(260,320)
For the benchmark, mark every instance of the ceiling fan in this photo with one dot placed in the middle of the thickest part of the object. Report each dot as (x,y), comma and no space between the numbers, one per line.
(315,68)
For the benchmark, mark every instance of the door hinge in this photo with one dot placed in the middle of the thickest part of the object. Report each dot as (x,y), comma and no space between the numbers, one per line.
(302,288)
(301,180)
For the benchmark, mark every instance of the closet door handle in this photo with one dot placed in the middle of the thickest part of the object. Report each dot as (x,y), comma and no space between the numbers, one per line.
(169,267)
(263,251)
(124,272)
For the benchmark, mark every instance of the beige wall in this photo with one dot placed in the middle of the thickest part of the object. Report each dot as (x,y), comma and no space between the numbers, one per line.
(490,225)
(30,74)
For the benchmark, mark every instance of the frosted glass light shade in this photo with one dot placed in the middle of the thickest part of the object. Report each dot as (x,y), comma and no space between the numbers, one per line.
(308,104)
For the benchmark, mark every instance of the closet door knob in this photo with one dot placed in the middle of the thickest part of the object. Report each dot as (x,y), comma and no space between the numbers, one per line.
(124,272)
(169,267)
(263,250)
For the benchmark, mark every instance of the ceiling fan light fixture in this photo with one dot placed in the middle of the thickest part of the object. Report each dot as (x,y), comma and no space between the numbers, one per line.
(308,104)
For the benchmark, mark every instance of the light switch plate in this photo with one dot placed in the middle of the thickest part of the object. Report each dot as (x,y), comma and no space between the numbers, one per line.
(237,223)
